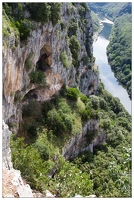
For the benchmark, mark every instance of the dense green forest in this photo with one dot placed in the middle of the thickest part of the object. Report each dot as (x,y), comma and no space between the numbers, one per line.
(47,126)
(119,50)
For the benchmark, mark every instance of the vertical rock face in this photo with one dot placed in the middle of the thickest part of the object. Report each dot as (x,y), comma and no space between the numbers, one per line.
(79,142)
(6,152)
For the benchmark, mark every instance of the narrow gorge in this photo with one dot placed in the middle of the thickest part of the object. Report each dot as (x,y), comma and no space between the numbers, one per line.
(56,111)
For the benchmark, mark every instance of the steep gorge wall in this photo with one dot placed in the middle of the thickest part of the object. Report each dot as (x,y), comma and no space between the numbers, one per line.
(79,142)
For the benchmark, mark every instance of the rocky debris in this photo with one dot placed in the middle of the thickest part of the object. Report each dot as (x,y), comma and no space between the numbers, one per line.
(13,185)
(37,194)
(78,196)
(6,152)
(49,194)
(91,196)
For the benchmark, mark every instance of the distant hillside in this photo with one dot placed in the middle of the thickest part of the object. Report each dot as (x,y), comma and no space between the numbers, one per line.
(111,10)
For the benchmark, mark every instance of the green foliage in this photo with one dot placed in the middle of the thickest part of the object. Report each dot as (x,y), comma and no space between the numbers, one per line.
(40,12)
(71,181)
(18,97)
(37,77)
(72,93)
(55,12)
(73,26)
(31,109)
(105,124)
(27,160)
(91,135)
(94,102)
(63,90)
(74,46)
(83,7)
(60,120)
(28,62)
(24,26)
(84,98)
(85,60)
(85,115)
(64,59)
(44,146)
(9,27)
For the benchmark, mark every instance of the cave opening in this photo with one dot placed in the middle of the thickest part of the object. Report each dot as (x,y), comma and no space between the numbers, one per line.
(45,59)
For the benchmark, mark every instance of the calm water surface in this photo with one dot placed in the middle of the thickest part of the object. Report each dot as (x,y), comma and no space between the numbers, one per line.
(106,75)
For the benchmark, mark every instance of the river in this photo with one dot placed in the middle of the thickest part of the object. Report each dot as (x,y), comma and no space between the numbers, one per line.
(106,74)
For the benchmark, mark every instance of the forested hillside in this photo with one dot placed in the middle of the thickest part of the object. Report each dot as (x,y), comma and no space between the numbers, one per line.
(72,136)
(119,50)
(111,10)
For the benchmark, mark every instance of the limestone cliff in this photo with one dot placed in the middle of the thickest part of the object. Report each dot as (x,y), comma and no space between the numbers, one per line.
(46,43)
(47,40)
(80,143)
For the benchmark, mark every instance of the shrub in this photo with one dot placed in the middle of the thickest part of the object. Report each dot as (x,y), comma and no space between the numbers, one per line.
(72,93)
(55,122)
(73,26)
(43,149)
(24,27)
(18,97)
(28,62)
(32,109)
(94,102)
(85,60)
(64,59)
(63,90)
(27,160)
(85,115)
(40,12)
(74,46)
(55,12)
(37,77)
(84,98)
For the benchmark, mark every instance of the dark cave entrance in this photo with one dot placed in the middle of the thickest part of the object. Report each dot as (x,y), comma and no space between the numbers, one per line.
(45,59)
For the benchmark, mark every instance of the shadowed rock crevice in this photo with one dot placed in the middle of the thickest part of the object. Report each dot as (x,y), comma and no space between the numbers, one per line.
(45,59)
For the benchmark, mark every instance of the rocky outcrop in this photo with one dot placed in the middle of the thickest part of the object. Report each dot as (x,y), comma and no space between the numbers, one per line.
(13,185)
(6,152)
(80,143)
